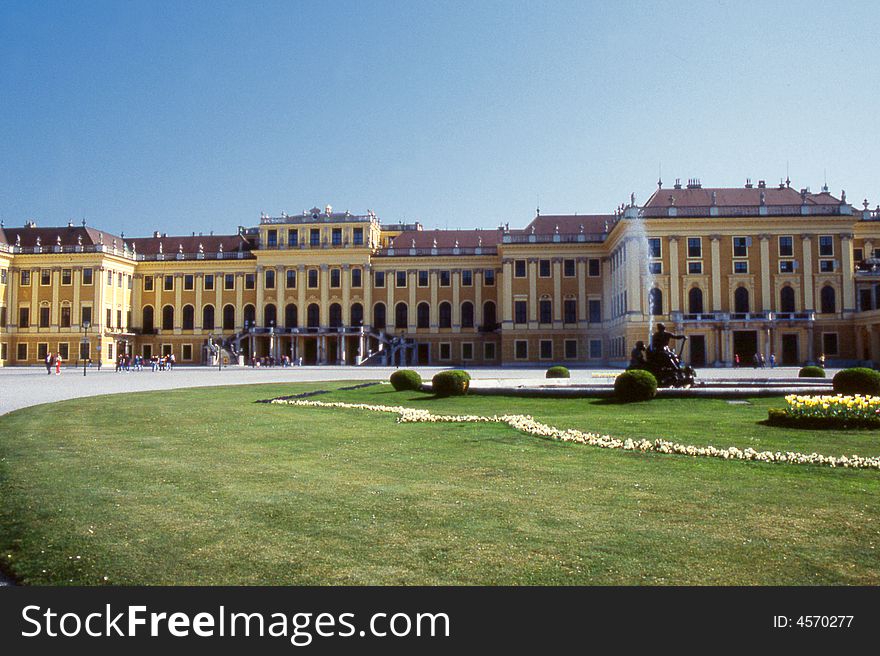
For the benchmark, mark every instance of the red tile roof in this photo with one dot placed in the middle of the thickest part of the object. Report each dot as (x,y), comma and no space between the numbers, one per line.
(171,244)
(570,224)
(447,238)
(70,236)
(735,197)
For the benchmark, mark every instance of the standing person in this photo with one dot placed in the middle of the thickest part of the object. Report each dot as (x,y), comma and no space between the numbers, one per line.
(772,360)
(822,360)
(171,361)
(763,361)
(58,364)
(48,363)
(736,360)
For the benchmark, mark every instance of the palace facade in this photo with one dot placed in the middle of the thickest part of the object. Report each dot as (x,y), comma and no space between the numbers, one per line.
(757,269)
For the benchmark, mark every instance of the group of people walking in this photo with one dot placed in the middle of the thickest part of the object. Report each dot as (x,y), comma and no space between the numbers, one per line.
(138,362)
(53,363)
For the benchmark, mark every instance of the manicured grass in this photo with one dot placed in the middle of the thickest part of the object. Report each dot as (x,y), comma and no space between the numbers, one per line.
(205,486)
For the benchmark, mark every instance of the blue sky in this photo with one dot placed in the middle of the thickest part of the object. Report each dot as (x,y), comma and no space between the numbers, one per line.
(188,116)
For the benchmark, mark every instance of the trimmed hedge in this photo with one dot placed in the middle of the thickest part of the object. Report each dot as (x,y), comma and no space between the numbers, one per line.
(558,372)
(454,382)
(635,385)
(857,380)
(406,379)
(780,418)
(811,372)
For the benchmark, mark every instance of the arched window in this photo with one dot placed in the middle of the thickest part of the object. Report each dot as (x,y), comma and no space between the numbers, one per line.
(423,316)
(290,318)
(313,315)
(250,316)
(828,300)
(188,317)
(208,317)
(695,301)
(741,300)
(467,315)
(379,316)
(335,315)
(168,317)
(655,302)
(147,322)
(786,299)
(270,315)
(445,315)
(228,317)
(489,319)
(401,315)
(357,314)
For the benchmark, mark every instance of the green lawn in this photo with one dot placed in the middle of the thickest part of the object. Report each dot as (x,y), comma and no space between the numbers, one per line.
(204,486)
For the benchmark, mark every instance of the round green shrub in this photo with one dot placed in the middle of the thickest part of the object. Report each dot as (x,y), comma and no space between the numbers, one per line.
(635,385)
(406,379)
(857,380)
(454,382)
(811,372)
(558,372)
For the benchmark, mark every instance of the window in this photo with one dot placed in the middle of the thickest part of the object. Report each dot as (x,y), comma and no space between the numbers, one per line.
(3,274)
(545,311)
(786,299)
(4,351)
(64,350)
(208,317)
(786,266)
(335,278)
(826,245)
(26,278)
(66,276)
(46,277)
(544,268)
(168,317)
(379,316)
(654,247)
(250,281)
(228,317)
(169,284)
(400,279)
(87,276)
(272,238)
(128,278)
(467,351)
(445,315)
(445,350)
(467,315)
(229,281)
(741,246)
(741,300)
(42,351)
(467,278)
(44,316)
(445,279)
(695,268)
(826,266)
(858,255)
(109,318)
(695,247)
(335,315)
(357,315)
(357,278)
(546,346)
(695,301)
(520,349)
(655,302)
(148,283)
(336,237)
(119,279)
(571,349)
(189,282)
(291,278)
(109,278)
(594,307)
(655,267)
(519,268)
(188,322)
(741,267)
(829,343)
(270,278)
(293,238)
(65,316)
(186,352)
(209,281)
(568,268)
(313,279)
(119,318)
(828,300)
(358,236)
(379,279)
(489,351)
(423,278)
(786,246)
(489,318)
(401,315)
(520,312)
(86,315)
(489,277)
(314,237)
(593,267)
(569,310)
(22,352)
(423,314)
(595,348)
(24,317)
(290,316)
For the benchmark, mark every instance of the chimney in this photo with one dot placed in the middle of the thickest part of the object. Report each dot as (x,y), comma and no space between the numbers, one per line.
(677,184)
(748,183)
(694,183)
(762,184)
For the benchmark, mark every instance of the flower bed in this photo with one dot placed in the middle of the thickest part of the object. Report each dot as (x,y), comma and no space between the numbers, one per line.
(836,411)
(527,424)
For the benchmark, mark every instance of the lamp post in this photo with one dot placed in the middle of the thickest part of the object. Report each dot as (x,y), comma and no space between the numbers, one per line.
(85,340)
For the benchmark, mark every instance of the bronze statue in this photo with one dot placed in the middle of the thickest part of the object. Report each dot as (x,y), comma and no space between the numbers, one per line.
(662,360)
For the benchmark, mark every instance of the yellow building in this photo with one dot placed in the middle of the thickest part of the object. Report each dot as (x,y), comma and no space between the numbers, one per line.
(758,269)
